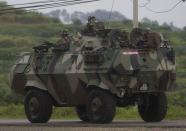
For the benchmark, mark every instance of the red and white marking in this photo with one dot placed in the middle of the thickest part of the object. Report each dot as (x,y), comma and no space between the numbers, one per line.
(130,53)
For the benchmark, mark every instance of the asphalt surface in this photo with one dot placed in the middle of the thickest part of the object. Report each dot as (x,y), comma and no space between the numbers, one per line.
(114,124)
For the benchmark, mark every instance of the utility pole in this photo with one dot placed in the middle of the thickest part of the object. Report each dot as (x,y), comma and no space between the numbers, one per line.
(135,13)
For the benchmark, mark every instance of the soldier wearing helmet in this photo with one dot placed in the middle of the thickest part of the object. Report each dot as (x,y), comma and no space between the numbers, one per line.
(91,21)
(64,42)
(93,26)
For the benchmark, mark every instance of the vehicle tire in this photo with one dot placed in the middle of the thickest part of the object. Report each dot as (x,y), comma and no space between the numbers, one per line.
(101,107)
(82,113)
(153,107)
(38,106)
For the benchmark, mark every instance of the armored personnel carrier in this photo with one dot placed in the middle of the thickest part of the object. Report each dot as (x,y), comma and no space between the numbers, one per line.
(100,70)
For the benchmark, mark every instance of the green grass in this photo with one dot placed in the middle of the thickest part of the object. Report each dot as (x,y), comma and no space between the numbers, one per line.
(12,112)
(30,30)
(176,113)
(129,113)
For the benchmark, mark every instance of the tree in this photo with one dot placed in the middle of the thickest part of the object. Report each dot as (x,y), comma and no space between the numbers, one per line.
(146,20)
(77,22)
(184,28)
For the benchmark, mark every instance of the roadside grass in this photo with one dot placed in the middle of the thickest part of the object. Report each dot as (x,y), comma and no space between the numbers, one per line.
(129,113)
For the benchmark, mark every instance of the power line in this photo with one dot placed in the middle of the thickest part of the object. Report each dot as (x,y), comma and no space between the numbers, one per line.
(60,4)
(35,7)
(75,3)
(165,11)
(154,11)
(40,5)
(30,3)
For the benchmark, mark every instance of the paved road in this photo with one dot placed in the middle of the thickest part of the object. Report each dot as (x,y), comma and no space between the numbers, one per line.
(118,124)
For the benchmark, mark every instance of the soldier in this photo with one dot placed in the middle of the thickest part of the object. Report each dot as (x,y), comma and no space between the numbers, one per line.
(78,39)
(90,27)
(64,42)
(152,39)
(136,37)
(93,27)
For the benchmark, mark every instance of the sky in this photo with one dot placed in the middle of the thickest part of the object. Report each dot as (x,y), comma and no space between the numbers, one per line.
(177,16)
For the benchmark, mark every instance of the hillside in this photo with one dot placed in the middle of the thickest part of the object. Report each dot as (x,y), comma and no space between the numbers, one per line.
(102,15)
(20,32)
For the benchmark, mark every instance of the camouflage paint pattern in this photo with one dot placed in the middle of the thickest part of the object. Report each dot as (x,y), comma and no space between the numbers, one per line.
(69,75)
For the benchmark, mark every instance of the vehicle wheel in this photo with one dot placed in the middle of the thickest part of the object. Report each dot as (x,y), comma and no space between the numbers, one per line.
(82,112)
(153,108)
(101,107)
(38,106)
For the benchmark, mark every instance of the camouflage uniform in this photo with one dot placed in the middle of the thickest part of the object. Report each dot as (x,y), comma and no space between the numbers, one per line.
(77,42)
(78,39)
(64,42)
(152,40)
(136,37)
(118,39)
(93,27)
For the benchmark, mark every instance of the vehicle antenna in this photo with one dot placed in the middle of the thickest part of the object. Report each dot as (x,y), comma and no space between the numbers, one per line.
(110,14)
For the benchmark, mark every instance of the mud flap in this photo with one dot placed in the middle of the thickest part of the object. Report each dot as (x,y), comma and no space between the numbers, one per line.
(19,78)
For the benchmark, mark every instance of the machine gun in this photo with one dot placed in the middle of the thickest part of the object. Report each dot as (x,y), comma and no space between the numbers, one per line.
(44,47)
